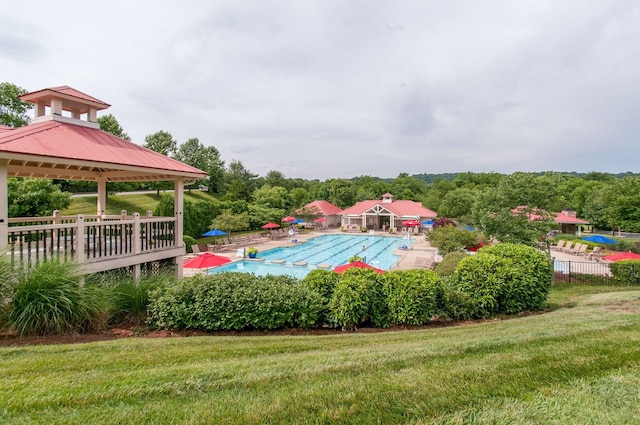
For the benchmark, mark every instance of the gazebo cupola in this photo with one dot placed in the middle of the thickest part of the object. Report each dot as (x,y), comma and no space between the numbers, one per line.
(52,102)
(387,198)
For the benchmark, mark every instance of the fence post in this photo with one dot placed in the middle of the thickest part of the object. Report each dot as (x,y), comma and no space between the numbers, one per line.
(137,234)
(80,242)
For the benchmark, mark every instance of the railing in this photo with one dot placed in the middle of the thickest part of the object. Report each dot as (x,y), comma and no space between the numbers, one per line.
(87,239)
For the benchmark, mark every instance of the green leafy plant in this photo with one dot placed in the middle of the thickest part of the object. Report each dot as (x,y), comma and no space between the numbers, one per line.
(50,299)
(411,296)
(127,298)
(626,272)
(234,301)
(252,251)
(449,263)
(355,258)
(359,298)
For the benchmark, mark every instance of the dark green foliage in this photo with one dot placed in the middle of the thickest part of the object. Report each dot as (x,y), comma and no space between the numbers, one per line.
(234,301)
(453,302)
(411,296)
(188,242)
(505,279)
(359,298)
(50,299)
(450,238)
(128,299)
(323,283)
(449,263)
(531,292)
(626,272)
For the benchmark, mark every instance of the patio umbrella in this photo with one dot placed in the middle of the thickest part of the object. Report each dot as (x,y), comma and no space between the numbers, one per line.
(270,225)
(622,256)
(320,220)
(205,260)
(288,219)
(599,239)
(297,221)
(428,223)
(410,223)
(214,232)
(357,265)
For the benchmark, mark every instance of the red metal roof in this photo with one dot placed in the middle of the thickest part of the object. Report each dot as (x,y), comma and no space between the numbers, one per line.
(64,92)
(64,141)
(323,208)
(400,208)
(562,218)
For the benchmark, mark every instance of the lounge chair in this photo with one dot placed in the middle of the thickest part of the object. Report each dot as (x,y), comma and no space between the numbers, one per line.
(596,254)
(195,249)
(581,251)
(559,246)
(568,247)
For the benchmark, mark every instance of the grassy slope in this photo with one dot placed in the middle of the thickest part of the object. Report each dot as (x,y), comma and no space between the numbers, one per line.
(576,364)
(132,202)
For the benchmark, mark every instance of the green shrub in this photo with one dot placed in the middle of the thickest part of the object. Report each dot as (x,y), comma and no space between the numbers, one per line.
(411,296)
(49,299)
(505,279)
(234,301)
(529,293)
(626,272)
(359,298)
(451,238)
(7,283)
(128,299)
(453,302)
(323,283)
(449,263)
(188,242)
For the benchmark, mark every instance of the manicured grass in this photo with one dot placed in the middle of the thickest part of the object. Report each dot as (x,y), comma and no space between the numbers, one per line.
(131,202)
(576,364)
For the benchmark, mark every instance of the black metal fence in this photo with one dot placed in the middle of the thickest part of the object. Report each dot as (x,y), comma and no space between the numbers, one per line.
(587,272)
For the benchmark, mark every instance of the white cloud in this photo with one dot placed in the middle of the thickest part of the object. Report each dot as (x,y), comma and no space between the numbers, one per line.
(347,88)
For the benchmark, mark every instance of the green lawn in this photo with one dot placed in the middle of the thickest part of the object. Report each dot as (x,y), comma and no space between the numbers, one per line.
(576,364)
(131,202)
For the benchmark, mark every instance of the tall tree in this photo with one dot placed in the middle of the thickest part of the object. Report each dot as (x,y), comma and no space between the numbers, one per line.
(206,158)
(110,124)
(239,182)
(13,111)
(35,197)
(161,142)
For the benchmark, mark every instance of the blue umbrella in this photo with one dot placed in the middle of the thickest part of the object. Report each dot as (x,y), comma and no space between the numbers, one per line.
(297,221)
(428,222)
(214,232)
(599,239)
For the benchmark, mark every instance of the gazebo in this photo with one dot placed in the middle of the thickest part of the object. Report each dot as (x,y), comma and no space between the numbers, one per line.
(64,141)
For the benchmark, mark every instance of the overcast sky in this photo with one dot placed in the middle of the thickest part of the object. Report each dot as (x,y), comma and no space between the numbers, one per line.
(323,89)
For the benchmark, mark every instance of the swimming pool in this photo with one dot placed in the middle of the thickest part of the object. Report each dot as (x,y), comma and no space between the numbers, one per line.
(326,251)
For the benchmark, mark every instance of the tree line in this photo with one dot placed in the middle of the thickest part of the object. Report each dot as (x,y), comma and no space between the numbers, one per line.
(481,200)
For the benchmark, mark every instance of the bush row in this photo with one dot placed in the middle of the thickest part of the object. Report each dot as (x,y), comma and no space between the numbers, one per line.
(504,279)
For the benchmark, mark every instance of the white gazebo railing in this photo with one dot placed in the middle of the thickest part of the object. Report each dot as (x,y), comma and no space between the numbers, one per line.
(88,239)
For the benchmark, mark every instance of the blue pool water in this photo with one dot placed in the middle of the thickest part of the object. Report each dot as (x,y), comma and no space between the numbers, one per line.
(332,250)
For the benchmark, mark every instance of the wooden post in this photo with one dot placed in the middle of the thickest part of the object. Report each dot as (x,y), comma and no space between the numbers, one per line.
(178,205)
(80,245)
(4,206)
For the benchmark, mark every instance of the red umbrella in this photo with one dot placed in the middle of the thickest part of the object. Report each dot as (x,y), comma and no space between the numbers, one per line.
(622,256)
(320,220)
(205,260)
(357,265)
(271,225)
(288,219)
(410,223)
